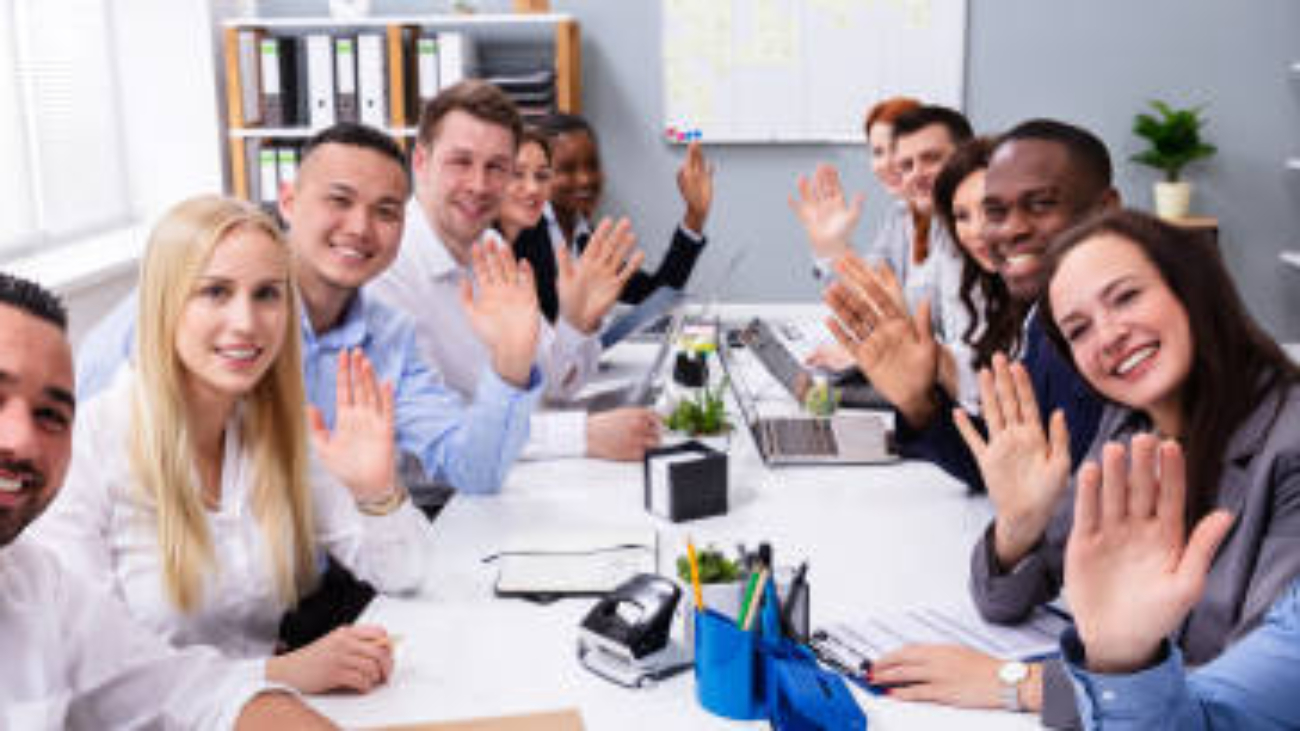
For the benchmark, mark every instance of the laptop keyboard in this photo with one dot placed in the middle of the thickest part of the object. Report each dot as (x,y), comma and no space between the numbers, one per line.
(801,436)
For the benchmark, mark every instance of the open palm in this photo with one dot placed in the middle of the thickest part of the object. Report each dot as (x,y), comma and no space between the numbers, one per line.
(827,217)
(589,287)
(503,311)
(1130,576)
(1025,469)
(360,452)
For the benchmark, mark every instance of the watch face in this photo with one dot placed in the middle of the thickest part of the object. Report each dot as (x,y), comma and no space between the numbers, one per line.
(1012,673)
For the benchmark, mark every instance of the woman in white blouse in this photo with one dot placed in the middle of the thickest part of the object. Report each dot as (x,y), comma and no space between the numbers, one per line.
(192,490)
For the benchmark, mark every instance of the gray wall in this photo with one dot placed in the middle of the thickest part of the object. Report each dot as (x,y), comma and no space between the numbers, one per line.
(1092,62)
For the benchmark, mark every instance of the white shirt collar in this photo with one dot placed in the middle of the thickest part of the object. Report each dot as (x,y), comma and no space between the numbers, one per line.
(425,247)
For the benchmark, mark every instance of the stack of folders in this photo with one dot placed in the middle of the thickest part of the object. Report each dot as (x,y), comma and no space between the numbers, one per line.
(532,89)
(313,80)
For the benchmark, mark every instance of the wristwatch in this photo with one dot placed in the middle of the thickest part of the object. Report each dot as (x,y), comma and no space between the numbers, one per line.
(1011,675)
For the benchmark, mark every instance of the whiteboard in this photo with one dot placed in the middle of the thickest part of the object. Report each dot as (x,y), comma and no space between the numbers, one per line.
(803,70)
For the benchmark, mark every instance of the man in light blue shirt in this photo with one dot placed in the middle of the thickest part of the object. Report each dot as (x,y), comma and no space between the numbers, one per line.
(346,212)
(1132,579)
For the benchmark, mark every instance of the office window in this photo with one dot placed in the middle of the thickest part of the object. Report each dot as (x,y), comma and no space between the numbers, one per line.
(63,173)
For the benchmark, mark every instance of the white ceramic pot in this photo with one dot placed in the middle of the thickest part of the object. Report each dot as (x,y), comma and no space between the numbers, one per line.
(1173,200)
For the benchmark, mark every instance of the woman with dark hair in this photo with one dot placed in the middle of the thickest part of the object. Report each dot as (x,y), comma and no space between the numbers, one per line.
(1149,317)
(988,319)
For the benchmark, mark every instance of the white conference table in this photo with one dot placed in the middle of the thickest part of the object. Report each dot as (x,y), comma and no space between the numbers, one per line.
(877,538)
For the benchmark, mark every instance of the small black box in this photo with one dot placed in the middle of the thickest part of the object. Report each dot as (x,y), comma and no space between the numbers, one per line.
(695,482)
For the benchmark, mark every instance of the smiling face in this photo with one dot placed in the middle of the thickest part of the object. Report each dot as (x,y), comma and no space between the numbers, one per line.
(1031,193)
(462,176)
(880,144)
(919,157)
(579,180)
(530,188)
(235,318)
(36,414)
(968,218)
(1128,333)
(345,213)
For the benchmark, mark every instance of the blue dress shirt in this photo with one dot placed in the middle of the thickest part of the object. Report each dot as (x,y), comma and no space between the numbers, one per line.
(469,448)
(1254,684)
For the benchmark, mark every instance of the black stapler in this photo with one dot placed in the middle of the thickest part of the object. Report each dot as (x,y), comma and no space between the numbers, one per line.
(626,637)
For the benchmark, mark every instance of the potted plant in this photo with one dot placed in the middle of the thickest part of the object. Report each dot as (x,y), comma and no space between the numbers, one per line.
(702,415)
(1174,137)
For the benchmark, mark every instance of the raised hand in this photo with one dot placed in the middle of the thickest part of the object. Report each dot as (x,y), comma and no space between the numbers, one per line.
(355,657)
(895,350)
(503,311)
(827,218)
(589,287)
(1025,471)
(622,434)
(695,182)
(1130,577)
(360,452)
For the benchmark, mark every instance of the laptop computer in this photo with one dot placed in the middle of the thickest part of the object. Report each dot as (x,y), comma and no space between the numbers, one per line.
(654,313)
(763,341)
(646,390)
(805,439)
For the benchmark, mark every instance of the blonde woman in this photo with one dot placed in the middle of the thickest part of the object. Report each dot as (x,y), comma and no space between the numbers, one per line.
(192,491)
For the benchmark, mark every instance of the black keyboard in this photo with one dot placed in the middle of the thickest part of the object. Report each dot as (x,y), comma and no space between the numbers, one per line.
(801,436)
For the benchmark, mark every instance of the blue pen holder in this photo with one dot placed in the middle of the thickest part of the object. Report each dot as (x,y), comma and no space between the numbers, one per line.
(728,668)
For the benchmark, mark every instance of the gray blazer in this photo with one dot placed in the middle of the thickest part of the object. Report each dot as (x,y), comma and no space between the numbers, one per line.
(1258,559)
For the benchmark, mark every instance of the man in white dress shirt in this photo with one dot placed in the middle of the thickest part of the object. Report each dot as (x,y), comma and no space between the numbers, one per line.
(463,159)
(73,659)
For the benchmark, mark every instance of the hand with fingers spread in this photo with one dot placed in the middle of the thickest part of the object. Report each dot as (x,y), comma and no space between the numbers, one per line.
(895,350)
(503,310)
(695,182)
(623,435)
(356,657)
(589,287)
(827,218)
(1130,574)
(360,451)
(1025,469)
(949,674)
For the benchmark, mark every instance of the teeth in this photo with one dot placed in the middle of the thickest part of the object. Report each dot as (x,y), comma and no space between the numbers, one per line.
(1134,360)
(350,252)
(241,353)
(10,484)
(1018,259)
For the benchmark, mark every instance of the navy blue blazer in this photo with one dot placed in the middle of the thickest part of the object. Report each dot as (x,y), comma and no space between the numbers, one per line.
(534,245)
(1057,385)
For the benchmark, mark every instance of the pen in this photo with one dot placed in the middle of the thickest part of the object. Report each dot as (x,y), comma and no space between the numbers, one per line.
(695,575)
(751,582)
(756,600)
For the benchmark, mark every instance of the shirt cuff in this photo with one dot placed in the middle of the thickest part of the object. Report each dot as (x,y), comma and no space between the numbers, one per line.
(1130,698)
(557,434)
(695,236)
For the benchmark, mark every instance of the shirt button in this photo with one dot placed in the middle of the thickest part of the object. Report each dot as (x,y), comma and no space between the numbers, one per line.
(1108,696)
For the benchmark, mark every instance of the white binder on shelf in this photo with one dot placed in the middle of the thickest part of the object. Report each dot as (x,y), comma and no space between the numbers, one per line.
(345,79)
(320,80)
(455,57)
(268,176)
(427,74)
(372,96)
(286,164)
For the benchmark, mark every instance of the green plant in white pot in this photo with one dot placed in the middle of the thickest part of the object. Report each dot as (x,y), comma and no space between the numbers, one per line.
(1174,138)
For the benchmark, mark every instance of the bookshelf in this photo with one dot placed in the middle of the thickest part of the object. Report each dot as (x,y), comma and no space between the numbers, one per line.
(499,45)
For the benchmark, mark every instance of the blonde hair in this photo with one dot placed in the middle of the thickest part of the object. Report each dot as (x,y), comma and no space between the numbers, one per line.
(274,428)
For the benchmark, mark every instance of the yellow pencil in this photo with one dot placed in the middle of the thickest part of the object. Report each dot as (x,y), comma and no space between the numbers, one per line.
(695,574)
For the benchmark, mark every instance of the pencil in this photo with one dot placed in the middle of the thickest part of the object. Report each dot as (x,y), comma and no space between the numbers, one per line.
(756,601)
(695,575)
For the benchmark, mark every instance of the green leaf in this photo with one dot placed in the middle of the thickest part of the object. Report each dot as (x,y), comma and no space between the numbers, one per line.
(1174,136)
